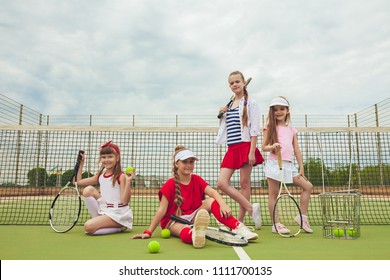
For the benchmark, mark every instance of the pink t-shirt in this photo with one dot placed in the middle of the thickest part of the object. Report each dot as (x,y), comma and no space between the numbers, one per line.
(286,137)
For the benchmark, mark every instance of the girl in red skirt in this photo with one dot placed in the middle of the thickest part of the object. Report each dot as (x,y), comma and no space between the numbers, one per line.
(239,129)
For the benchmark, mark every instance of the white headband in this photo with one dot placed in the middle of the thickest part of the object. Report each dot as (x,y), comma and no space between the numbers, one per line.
(279,101)
(182,155)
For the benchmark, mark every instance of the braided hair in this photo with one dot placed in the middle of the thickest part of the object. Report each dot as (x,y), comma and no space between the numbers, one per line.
(178,198)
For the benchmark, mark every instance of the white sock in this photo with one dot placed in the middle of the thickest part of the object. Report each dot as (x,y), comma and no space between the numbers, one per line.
(92,206)
(104,231)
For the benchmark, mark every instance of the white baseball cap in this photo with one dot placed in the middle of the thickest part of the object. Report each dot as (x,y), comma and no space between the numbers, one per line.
(182,155)
(279,101)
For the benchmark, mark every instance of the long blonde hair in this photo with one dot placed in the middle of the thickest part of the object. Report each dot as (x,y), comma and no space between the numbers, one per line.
(178,198)
(271,124)
(245,110)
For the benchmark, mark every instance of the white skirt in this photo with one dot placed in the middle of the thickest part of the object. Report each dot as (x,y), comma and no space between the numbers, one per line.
(272,171)
(122,215)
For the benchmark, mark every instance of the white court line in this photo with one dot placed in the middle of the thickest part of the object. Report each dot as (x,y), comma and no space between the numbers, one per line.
(241,253)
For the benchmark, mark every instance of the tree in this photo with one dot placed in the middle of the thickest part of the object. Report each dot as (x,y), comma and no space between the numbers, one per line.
(37,177)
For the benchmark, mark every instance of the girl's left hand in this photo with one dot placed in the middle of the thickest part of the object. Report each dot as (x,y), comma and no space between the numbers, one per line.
(130,175)
(226,211)
(302,174)
(251,158)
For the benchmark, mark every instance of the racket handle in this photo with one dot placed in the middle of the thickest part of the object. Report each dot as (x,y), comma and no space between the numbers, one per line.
(227,105)
(231,100)
(76,167)
(279,155)
(180,220)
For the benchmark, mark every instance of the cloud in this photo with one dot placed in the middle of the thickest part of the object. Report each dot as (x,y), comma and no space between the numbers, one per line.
(173,57)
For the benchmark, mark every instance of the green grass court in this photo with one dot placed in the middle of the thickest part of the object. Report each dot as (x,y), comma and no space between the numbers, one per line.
(42,243)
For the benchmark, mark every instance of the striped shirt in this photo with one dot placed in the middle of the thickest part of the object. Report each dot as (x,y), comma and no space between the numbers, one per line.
(233,126)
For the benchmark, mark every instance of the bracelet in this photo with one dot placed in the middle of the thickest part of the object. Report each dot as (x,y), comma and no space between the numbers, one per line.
(148,232)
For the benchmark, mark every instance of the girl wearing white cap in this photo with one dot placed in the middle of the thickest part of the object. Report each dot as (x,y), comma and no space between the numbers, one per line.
(280,135)
(239,129)
(184,195)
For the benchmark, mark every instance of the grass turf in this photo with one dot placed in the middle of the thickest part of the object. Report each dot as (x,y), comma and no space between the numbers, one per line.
(41,243)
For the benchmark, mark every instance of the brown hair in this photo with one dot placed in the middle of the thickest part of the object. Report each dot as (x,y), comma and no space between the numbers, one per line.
(108,150)
(175,174)
(245,110)
(272,133)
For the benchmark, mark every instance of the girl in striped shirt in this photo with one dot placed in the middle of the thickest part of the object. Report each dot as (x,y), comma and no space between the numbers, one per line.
(239,129)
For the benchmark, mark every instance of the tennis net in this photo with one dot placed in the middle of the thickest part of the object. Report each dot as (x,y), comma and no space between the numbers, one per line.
(38,160)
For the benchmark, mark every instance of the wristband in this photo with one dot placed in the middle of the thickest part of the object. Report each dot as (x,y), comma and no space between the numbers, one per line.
(148,232)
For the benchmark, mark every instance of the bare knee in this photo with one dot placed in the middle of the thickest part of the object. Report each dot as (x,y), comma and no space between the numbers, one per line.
(245,184)
(89,227)
(88,191)
(222,184)
(308,187)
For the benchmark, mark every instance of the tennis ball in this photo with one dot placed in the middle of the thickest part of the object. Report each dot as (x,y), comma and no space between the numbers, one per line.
(153,246)
(129,169)
(352,232)
(338,232)
(165,233)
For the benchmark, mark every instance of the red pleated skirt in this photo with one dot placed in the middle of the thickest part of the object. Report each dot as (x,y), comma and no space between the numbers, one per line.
(237,156)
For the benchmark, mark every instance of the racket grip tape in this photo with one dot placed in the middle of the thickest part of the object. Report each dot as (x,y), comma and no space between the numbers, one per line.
(280,162)
(228,105)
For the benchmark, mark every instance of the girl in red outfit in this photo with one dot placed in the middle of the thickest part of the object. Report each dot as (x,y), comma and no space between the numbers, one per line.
(184,195)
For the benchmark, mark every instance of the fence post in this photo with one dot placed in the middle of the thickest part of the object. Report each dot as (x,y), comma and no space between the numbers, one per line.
(378,139)
(18,144)
(357,152)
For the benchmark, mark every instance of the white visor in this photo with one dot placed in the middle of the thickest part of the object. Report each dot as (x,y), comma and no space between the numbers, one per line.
(182,155)
(279,101)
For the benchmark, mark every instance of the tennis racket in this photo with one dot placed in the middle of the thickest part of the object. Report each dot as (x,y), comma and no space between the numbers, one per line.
(66,206)
(232,99)
(218,235)
(286,210)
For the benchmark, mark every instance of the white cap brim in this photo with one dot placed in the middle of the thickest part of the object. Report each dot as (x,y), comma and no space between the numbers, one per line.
(279,101)
(182,155)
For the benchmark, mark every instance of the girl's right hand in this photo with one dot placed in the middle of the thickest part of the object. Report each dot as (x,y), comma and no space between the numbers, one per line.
(223,109)
(276,147)
(141,236)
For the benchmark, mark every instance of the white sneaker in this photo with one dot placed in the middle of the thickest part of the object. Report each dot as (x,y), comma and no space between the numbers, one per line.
(201,222)
(305,223)
(245,232)
(256,215)
(280,228)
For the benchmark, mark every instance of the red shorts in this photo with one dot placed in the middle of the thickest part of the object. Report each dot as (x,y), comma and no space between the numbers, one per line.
(237,155)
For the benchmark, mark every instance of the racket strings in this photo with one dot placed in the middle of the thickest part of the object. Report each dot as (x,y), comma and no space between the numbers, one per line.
(288,214)
(225,238)
(65,211)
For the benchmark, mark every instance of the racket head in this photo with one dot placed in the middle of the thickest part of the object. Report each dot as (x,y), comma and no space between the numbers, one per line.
(225,237)
(65,210)
(287,212)
(218,235)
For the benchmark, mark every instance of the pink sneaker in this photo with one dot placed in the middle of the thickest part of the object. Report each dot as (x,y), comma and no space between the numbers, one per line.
(280,228)
(305,223)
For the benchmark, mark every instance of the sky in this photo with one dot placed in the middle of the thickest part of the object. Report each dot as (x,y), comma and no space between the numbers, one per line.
(173,57)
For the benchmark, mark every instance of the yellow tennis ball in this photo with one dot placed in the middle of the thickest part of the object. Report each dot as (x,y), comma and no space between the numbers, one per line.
(129,169)
(165,233)
(338,232)
(352,232)
(153,246)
